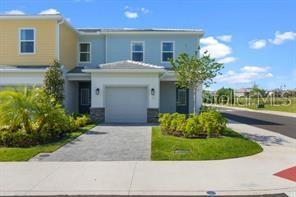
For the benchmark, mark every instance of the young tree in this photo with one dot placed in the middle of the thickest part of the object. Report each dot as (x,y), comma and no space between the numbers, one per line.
(193,72)
(54,82)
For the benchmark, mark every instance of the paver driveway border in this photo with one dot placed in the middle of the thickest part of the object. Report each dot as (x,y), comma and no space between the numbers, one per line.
(106,142)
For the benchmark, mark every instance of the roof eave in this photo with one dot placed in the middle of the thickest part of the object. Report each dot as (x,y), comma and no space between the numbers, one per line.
(123,70)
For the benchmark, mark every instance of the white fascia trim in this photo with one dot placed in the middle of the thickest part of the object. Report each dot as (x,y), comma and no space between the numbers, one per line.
(78,74)
(200,34)
(14,70)
(30,17)
(123,70)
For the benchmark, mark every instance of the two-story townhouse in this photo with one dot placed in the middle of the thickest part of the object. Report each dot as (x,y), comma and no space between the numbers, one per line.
(116,75)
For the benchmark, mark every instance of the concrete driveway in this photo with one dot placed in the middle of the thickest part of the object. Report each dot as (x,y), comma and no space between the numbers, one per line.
(106,143)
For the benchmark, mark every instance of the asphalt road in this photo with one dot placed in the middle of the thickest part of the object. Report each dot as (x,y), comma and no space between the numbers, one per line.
(280,124)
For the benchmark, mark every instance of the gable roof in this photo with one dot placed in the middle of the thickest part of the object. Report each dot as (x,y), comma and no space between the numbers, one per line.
(126,66)
(129,64)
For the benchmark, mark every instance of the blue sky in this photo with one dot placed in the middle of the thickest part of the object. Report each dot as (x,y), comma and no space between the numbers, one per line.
(255,39)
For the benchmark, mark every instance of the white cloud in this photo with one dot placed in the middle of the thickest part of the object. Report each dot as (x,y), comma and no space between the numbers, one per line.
(280,38)
(209,41)
(268,75)
(144,10)
(257,44)
(248,74)
(256,69)
(227,60)
(225,38)
(50,11)
(216,49)
(131,15)
(14,12)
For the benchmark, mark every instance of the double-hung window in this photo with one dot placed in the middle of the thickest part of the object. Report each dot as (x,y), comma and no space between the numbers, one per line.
(167,51)
(27,41)
(84,52)
(137,51)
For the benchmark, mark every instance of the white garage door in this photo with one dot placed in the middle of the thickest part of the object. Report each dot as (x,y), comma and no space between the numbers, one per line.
(126,105)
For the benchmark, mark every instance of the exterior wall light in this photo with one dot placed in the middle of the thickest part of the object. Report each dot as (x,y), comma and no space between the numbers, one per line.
(97,91)
(152,91)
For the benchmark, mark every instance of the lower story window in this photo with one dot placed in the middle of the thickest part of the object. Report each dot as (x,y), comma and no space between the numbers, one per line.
(84,96)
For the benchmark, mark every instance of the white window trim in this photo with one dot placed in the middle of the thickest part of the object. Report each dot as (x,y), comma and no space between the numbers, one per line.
(87,62)
(161,51)
(82,104)
(20,41)
(131,50)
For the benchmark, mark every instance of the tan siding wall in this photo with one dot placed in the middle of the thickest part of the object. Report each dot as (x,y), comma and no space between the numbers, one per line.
(45,42)
(68,46)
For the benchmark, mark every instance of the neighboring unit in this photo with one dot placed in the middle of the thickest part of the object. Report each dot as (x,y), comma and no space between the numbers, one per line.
(116,75)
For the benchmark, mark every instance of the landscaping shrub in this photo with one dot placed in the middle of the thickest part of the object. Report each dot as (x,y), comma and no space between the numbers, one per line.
(207,124)
(30,117)
(193,128)
(212,122)
(165,122)
(81,121)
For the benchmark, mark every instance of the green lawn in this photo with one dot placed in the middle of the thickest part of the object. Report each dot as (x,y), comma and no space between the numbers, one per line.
(232,145)
(274,107)
(24,154)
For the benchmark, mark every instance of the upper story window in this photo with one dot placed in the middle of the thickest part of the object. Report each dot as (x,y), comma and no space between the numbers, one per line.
(27,41)
(84,52)
(167,51)
(137,51)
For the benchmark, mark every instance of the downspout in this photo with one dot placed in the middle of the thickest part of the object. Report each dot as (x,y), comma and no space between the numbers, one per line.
(58,39)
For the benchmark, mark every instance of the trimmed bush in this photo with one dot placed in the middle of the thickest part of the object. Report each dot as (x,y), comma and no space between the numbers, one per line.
(207,124)
(193,128)
(212,122)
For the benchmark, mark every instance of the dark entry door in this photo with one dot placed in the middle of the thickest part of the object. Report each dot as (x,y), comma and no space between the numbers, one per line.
(182,100)
(84,97)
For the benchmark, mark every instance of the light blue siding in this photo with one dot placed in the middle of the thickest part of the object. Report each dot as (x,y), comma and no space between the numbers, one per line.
(118,47)
(97,49)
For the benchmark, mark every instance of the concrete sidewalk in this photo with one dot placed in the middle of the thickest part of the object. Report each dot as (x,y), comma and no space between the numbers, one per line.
(243,176)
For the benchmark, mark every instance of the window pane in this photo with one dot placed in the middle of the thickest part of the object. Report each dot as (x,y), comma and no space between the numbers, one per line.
(137,56)
(27,47)
(85,96)
(84,57)
(137,46)
(182,97)
(27,34)
(167,46)
(85,47)
(167,56)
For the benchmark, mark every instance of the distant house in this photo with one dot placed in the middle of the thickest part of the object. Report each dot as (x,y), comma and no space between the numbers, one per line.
(242,92)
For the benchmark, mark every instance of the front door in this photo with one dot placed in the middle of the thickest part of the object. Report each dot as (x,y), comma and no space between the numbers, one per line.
(182,100)
(84,97)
